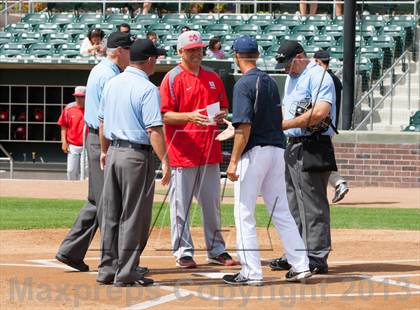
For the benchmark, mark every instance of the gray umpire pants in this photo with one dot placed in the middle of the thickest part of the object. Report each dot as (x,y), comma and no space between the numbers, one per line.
(77,241)
(335,179)
(308,203)
(127,209)
(203,183)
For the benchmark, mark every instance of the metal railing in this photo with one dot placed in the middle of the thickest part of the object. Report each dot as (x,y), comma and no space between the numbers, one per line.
(8,158)
(368,97)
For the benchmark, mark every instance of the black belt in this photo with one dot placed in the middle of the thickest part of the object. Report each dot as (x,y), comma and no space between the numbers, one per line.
(136,146)
(294,140)
(93,130)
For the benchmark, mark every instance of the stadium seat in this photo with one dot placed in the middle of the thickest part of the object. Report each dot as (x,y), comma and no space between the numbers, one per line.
(231,20)
(75,28)
(7,37)
(139,34)
(319,21)
(175,19)
(13,50)
(218,29)
(63,18)
(310,50)
(272,50)
(261,20)
(387,44)
(203,19)
(265,40)
(375,55)
(28,38)
(377,21)
(296,37)
(18,27)
(290,21)
(36,18)
(248,29)
(106,27)
(398,34)
(69,50)
(337,31)
(58,38)
(146,19)
(338,20)
(161,29)
(409,25)
(91,18)
(367,31)
(306,30)
(336,52)
(364,68)
(170,40)
(118,18)
(277,30)
(47,28)
(323,41)
(41,50)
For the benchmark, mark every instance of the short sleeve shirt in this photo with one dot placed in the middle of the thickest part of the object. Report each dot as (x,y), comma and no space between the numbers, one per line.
(314,83)
(72,119)
(262,110)
(130,104)
(190,145)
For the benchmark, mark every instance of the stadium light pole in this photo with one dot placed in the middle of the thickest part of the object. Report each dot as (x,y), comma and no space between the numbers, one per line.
(349,63)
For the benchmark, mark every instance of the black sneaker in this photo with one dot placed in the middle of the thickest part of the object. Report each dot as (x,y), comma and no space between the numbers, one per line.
(186,262)
(238,279)
(142,270)
(340,191)
(293,276)
(139,282)
(318,269)
(223,259)
(280,264)
(78,265)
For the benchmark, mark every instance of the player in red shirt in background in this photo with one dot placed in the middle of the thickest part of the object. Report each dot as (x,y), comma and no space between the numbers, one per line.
(194,154)
(72,123)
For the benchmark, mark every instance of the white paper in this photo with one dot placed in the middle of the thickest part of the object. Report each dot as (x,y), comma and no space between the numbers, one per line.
(212,110)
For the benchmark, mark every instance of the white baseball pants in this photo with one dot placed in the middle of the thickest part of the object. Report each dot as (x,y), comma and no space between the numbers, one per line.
(73,162)
(261,170)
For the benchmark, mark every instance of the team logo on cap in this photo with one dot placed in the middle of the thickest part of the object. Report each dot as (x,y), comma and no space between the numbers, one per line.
(193,37)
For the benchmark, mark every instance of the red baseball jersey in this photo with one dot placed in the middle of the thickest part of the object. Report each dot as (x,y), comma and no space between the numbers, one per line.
(72,118)
(190,145)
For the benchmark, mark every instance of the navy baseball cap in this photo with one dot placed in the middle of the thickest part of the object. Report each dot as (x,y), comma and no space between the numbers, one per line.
(119,39)
(245,44)
(142,49)
(287,51)
(322,55)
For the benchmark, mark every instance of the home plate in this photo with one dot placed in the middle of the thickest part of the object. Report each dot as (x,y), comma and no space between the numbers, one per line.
(212,275)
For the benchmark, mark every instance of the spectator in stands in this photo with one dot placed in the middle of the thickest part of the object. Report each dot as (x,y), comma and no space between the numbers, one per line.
(152,36)
(124,27)
(303,6)
(215,49)
(72,123)
(94,43)
(147,6)
(185,28)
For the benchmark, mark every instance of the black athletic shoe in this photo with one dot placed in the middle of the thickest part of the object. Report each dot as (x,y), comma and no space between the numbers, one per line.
(139,282)
(238,279)
(293,276)
(318,269)
(142,270)
(280,264)
(78,265)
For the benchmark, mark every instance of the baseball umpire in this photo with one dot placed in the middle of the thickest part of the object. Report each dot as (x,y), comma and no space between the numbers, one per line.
(309,154)
(132,125)
(257,166)
(74,247)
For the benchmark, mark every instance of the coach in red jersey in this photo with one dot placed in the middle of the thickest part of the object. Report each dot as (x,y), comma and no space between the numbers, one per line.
(190,94)
(72,122)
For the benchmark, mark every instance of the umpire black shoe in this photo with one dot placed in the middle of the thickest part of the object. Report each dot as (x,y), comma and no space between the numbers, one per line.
(139,282)
(142,270)
(293,276)
(315,269)
(238,279)
(280,264)
(78,265)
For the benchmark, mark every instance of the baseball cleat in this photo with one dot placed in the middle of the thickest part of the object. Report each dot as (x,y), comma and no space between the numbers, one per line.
(280,264)
(340,191)
(238,279)
(186,262)
(223,259)
(293,276)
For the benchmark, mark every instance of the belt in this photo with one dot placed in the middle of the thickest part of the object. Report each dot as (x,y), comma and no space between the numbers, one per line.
(131,145)
(93,130)
(294,140)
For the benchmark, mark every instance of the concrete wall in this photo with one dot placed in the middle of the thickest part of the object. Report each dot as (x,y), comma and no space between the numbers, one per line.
(379,159)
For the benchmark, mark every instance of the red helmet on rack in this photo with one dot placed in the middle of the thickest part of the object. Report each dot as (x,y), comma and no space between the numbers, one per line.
(4,115)
(38,115)
(21,117)
(20,133)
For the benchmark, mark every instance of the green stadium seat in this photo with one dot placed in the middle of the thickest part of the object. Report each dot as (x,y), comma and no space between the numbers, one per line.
(277,30)
(146,19)
(203,19)
(296,37)
(319,21)
(118,18)
(398,34)
(41,50)
(76,28)
(377,21)
(161,29)
(290,21)
(323,41)
(261,20)
(231,20)
(29,37)
(169,40)
(106,27)
(58,38)
(196,27)
(18,28)
(139,34)
(69,50)
(336,52)
(364,68)
(48,28)
(367,31)
(218,29)
(63,18)
(387,44)
(310,50)
(175,19)
(36,18)
(306,30)
(13,50)
(338,20)
(266,40)
(248,29)
(272,51)
(409,25)
(7,37)
(91,18)
(375,55)
(337,31)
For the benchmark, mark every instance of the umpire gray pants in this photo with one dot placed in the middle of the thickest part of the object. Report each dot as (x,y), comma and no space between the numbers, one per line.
(77,241)
(203,183)
(127,209)
(308,203)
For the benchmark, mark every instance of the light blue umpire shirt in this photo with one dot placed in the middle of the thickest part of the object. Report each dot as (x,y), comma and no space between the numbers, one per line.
(130,104)
(99,75)
(306,86)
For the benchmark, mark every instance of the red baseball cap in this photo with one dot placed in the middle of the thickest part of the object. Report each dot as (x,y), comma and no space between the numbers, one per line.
(190,39)
(79,91)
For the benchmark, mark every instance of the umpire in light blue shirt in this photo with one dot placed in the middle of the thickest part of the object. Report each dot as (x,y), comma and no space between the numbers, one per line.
(130,127)
(74,247)
(309,107)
